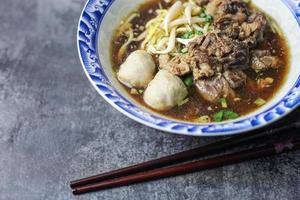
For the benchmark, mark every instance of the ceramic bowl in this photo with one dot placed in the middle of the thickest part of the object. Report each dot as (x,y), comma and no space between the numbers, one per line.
(96,27)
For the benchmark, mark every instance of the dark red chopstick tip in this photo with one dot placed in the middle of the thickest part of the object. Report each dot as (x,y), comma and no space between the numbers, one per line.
(77,192)
(72,185)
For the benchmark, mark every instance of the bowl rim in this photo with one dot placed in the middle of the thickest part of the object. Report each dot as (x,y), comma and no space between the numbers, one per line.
(87,45)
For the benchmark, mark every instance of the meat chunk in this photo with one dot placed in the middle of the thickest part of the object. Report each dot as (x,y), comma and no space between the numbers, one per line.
(235,78)
(238,58)
(233,7)
(194,45)
(234,20)
(252,32)
(203,66)
(227,27)
(262,60)
(226,51)
(203,70)
(179,65)
(214,88)
(221,7)
(211,44)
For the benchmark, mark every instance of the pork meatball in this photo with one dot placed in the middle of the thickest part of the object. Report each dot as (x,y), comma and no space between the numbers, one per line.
(138,70)
(165,91)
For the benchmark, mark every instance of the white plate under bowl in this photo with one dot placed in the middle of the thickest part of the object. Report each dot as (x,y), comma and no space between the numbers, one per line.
(96,28)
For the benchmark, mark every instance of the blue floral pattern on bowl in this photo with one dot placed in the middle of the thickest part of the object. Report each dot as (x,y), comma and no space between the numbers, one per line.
(89,24)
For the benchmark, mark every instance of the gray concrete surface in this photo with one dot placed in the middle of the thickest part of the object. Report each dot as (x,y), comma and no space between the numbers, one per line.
(54,127)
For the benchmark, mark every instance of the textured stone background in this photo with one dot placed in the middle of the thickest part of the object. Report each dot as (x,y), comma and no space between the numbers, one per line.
(54,127)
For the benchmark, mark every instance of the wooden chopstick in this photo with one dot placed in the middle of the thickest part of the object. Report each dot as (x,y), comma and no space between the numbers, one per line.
(219,161)
(181,157)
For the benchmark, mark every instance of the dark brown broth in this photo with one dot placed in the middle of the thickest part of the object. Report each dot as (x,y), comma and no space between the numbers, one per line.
(197,107)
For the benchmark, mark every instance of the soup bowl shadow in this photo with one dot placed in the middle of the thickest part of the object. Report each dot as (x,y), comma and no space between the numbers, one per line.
(97,24)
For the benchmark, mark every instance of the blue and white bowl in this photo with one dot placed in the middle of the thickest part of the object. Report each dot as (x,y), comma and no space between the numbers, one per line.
(100,18)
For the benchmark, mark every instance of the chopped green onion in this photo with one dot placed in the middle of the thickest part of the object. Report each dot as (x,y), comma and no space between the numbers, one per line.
(260,102)
(209,18)
(198,32)
(218,117)
(225,115)
(187,35)
(184,50)
(230,115)
(179,49)
(223,103)
(189,81)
